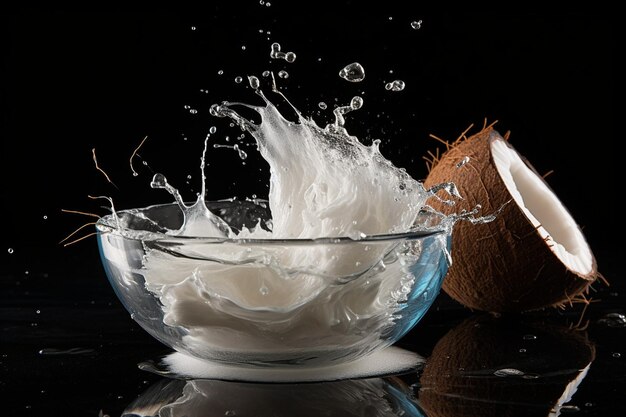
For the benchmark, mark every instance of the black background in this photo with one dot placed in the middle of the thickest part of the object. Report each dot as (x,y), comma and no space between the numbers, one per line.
(73,81)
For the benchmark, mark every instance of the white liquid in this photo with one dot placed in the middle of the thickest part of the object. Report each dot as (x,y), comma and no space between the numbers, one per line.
(279,299)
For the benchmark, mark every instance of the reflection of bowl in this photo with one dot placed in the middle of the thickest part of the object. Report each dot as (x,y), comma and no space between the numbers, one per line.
(269,301)
(377,397)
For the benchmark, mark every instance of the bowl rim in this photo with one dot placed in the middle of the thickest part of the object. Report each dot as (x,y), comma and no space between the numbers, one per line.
(105,225)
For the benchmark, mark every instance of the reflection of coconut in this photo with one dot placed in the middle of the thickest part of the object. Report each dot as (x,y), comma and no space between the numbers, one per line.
(532,255)
(497,367)
(376,397)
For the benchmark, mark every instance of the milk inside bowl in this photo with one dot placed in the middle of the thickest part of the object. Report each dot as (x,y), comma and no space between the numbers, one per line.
(341,259)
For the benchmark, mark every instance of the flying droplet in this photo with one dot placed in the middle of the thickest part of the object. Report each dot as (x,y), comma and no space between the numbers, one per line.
(396,85)
(253,81)
(283,74)
(212,129)
(266,73)
(193,28)
(220,72)
(10,250)
(322,105)
(353,72)
(238,79)
(276,53)
(356,102)
(416,24)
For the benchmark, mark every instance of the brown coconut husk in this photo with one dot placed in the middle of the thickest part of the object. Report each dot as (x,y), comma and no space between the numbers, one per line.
(504,265)
(459,380)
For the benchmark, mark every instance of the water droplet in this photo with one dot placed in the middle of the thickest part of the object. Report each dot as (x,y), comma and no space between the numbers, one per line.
(390,17)
(522,350)
(396,85)
(356,102)
(613,320)
(238,79)
(266,73)
(38,311)
(529,337)
(193,28)
(283,74)
(276,53)
(189,176)
(193,111)
(264,290)
(322,105)
(462,162)
(220,72)
(416,24)
(212,129)
(616,355)
(45,217)
(262,2)
(186,107)
(253,81)
(242,154)
(230,413)
(508,372)
(268,4)
(353,72)
(243,47)
(10,250)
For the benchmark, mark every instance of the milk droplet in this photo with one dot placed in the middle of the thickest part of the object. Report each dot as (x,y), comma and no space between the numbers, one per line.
(416,24)
(353,72)
(396,85)
(253,81)
(290,57)
(283,74)
(356,103)
(322,105)
(238,79)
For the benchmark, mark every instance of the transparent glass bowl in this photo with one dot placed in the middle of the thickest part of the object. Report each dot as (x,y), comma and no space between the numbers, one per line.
(270,302)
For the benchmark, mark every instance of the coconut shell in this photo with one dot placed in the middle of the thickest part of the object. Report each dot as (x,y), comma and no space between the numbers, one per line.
(504,265)
(459,379)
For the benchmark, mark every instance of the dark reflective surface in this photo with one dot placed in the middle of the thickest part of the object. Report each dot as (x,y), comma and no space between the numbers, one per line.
(62,356)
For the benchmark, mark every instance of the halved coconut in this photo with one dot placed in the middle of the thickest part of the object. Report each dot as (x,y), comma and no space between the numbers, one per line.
(532,255)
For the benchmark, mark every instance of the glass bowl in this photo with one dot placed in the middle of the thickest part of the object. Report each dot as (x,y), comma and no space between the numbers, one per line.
(270,302)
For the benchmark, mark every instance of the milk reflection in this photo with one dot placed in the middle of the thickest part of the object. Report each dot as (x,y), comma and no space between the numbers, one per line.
(503,367)
(376,397)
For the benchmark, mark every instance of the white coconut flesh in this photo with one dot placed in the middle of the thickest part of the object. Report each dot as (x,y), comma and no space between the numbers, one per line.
(543,209)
